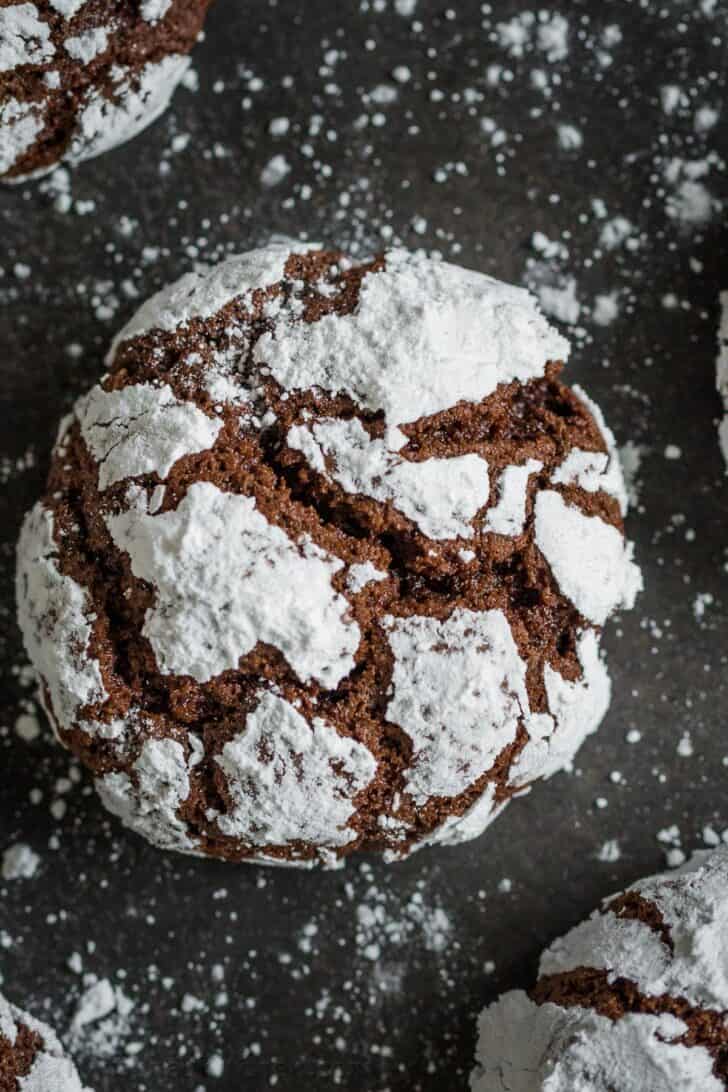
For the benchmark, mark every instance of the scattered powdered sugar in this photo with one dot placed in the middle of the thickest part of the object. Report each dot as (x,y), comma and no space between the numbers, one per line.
(459,691)
(380,926)
(141,429)
(225,579)
(424,336)
(19,862)
(441,496)
(291,780)
(55,621)
(101,1021)
(588,557)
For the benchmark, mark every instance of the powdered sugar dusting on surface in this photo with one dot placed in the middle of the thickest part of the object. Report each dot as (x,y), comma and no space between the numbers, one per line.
(85,47)
(693,902)
(425,335)
(441,496)
(51,1069)
(522,1045)
(508,516)
(201,294)
(154,10)
(292,780)
(55,621)
(588,557)
(141,429)
(24,37)
(722,373)
(226,579)
(149,804)
(20,123)
(136,101)
(362,574)
(576,709)
(459,691)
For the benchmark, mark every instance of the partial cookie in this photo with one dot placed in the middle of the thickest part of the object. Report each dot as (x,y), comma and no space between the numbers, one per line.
(31,1057)
(633,1000)
(722,373)
(78,77)
(324,559)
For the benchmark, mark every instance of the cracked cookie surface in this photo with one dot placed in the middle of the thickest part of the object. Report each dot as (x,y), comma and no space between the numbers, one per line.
(31,1057)
(323,559)
(79,77)
(635,999)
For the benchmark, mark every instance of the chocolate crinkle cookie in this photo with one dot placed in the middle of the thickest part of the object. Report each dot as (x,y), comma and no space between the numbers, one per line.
(633,1000)
(78,77)
(324,558)
(31,1057)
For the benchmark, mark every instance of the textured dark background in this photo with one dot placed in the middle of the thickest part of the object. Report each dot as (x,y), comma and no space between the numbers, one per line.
(306,1005)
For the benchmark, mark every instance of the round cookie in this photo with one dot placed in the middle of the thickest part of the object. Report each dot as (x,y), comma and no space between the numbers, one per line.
(323,559)
(31,1057)
(78,77)
(633,1000)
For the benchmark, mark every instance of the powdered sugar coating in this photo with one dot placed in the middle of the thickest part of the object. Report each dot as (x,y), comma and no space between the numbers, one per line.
(694,907)
(425,335)
(605,476)
(202,293)
(442,496)
(51,1069)
(140,430)
(154,10)
(67,8)
(576,709)
(362,574)
(24,37)
(509,514)
(524,1047)
(149,803)
(292,780)
(105,89)
(56,622)
(85,47)
(588,557)
(459,691)
(253,579)
(226,579)
(20,123)
(722,374)
(136,101)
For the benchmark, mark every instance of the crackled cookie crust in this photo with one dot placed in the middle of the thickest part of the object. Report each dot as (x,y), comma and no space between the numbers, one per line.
(79,77)
(323,559)
(635,998)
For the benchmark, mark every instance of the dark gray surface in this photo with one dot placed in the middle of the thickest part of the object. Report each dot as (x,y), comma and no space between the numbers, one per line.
(403,1021)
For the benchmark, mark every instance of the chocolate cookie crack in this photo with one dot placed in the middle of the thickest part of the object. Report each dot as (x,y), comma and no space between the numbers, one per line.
(594,990)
